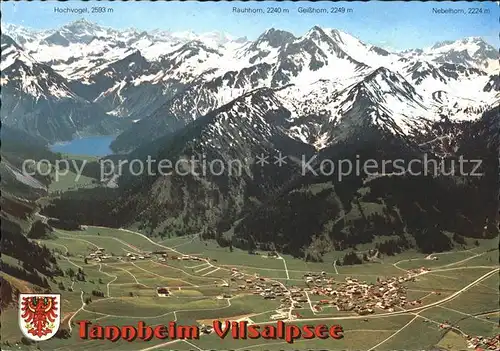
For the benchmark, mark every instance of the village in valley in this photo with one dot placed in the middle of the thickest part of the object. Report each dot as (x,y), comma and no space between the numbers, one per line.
(244,176)
(120,276)
(320,293)
(350,295)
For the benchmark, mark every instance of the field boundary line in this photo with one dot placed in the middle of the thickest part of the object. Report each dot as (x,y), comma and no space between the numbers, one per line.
(189,343)
(161,276)
(468,314)
(215,270)
(74,314)
(109,275)
(393,335)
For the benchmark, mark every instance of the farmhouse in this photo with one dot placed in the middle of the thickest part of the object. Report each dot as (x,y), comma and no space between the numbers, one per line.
(279,316)
(162,292)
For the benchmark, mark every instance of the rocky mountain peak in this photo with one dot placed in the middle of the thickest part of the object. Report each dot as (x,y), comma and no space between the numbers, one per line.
(275,38)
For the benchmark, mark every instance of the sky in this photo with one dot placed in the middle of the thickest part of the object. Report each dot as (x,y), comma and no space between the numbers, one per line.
(392,25)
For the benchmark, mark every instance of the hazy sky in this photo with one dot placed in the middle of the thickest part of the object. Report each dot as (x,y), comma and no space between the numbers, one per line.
(395,25)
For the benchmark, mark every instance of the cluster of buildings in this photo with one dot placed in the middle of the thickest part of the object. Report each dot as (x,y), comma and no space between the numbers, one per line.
(133,257)
(98,255)
(258,285)
(483,342)
(351,295)
(163,256)
(361,297)
(269,289)
(281,314)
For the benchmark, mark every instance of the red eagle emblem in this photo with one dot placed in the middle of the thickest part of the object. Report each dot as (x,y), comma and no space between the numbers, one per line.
(39,315)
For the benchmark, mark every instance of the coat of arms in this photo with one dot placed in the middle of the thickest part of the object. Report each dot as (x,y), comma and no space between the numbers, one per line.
(39,315)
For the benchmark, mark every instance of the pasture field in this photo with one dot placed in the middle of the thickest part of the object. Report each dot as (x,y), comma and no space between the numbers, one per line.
(71,181)
(474,302)
(449,280)
(452,341)
(484,258)
(414,335)
(474,325)
(442,259)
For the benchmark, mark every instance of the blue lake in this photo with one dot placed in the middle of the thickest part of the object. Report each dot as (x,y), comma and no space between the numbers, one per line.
(91,146)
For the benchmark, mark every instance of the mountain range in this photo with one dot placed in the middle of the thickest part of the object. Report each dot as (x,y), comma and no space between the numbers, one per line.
(83,78)
(324,95)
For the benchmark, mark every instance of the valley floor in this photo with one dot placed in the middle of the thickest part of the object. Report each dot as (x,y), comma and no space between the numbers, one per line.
(458,295)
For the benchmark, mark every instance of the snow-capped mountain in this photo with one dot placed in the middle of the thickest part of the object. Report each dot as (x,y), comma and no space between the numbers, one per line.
(275,59)
(219,98)
(24,35)
(161,63)
(78,32)
(242,130)
(468,52)
(320,68)
(38,100)
(85,40)
(166,80)
(383,98)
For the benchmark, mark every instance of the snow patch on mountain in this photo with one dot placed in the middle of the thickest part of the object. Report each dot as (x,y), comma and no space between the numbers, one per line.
(468,52)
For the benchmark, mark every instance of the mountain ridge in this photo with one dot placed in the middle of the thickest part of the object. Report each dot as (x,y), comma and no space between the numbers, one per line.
(165,83)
